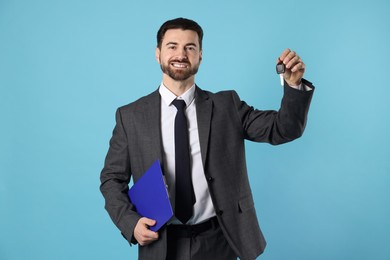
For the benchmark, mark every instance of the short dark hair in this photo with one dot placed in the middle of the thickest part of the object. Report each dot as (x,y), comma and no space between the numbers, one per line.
(179,23)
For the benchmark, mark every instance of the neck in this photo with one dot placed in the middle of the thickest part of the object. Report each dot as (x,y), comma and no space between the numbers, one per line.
(178,87)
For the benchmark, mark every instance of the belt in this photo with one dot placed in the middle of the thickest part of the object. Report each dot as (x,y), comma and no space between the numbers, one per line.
(192,230)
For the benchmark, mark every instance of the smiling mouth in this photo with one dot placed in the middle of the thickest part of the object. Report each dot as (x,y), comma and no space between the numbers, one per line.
(179,65)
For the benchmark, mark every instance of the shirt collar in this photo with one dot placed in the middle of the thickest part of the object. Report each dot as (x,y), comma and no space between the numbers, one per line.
(167,96)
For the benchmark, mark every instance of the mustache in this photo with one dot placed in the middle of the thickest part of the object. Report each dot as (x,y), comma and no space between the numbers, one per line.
(180,61)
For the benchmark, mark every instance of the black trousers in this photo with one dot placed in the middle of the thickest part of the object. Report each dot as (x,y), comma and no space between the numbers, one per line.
(199,242)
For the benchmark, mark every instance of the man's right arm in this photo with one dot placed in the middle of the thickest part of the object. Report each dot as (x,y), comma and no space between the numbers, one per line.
(115,178)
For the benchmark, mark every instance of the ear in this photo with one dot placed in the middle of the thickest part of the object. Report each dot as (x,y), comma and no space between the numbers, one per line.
(200,56)
(158,52)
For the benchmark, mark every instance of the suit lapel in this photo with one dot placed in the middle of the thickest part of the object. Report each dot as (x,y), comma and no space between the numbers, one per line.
(152,115)
(204,109)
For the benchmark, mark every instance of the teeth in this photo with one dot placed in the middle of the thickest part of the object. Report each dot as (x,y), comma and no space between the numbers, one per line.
(179,65)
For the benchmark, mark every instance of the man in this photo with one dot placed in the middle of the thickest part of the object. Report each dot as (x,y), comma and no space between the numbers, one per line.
(221,221)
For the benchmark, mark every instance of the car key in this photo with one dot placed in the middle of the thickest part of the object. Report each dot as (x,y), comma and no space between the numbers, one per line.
(280,68)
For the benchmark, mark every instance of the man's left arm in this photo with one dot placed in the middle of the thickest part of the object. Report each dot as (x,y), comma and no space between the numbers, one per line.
(287,124)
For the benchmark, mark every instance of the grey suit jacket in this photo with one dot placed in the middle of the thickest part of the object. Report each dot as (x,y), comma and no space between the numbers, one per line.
(224,122)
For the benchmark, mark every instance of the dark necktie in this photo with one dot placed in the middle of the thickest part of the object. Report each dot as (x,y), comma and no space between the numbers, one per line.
(184,196)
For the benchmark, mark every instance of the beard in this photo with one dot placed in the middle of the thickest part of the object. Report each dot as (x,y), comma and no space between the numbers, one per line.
(179,74)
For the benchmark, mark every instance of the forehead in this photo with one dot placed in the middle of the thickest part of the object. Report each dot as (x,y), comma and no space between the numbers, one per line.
(180,36)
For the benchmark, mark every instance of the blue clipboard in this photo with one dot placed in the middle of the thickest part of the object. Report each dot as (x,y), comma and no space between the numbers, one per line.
(150,197)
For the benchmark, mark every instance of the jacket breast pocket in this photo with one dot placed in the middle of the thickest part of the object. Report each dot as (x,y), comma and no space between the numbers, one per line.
(245,204)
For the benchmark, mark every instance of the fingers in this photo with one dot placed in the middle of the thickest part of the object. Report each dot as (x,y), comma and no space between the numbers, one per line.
(284,55)
(148,221)
(292,61)
(143,234)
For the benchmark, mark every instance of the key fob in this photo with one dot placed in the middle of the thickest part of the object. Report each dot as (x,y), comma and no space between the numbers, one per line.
(280,68)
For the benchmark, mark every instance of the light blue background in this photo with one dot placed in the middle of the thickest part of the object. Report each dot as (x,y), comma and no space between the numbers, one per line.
(65,66)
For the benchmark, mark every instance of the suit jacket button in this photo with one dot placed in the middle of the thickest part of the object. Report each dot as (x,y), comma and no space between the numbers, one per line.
(210,179)
(220,212)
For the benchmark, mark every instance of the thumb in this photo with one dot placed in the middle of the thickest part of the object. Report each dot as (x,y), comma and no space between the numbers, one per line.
(149,222)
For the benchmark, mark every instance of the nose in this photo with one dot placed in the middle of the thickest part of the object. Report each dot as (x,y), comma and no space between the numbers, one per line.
(182,53)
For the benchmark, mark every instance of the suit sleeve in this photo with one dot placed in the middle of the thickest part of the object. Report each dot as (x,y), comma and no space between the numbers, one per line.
(115,178)
(276,127)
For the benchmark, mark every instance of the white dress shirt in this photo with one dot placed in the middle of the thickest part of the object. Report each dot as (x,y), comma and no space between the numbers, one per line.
(203,208)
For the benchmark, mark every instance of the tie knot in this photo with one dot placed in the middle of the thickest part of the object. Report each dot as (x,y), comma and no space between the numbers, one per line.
(179,104)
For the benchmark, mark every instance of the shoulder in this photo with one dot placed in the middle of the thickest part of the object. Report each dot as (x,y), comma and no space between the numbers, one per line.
(221,97)
(217,96)
(140,103)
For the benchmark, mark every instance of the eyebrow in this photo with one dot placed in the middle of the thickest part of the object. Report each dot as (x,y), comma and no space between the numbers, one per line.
(175,43)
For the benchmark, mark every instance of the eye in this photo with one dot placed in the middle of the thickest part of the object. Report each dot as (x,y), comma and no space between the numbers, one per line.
(190,48)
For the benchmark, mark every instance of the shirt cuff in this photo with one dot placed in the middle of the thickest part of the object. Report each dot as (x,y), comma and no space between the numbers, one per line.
(302,87)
